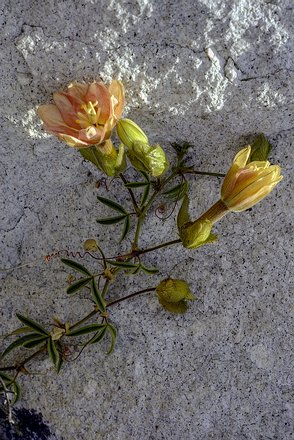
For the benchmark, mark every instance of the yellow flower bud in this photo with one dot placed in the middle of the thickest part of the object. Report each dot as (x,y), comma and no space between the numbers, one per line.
(129,132)
(246,183)
(144,157)
(106,158)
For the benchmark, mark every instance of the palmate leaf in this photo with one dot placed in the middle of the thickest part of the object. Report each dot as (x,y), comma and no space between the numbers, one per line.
(149,270)
(33,337)
(32,324)
(112,205)
(76,266)
(145,195)
(145,176)
(17,392)
(111,220)
(97,297)
(9,383)
(19,331)
(73,288)
(90,328)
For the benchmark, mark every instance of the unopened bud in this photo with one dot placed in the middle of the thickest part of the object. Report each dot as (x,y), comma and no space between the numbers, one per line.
(90,245)
(129,132)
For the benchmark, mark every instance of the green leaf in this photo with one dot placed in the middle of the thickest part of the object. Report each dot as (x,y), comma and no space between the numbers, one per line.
(145,175)
(17,392)
(76,266)
(53,352)
(99,336)
(19,331)
(260,149)
(149,270)
(112,205)
(35,342)
(111,220)
(59,364)
(183,215)
(123,264)
(113,333)
(145,195)
(126,228)
(178,191)
(6,379)
(20,342)
(32,324)
(73,288)
(97,297)
(85,330)
(135,184)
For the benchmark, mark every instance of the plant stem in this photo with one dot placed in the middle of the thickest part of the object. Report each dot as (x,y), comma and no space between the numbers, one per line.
(150,289)
(159,246)
(201,173)
(86,318)
(136,207)
(25,361)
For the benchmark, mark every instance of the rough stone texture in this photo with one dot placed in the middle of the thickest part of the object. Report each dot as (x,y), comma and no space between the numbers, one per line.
(213,72)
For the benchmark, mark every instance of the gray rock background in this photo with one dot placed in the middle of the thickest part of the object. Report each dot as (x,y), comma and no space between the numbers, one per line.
(214,73)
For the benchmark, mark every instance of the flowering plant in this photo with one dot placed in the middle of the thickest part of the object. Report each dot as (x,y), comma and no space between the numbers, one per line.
(86,117)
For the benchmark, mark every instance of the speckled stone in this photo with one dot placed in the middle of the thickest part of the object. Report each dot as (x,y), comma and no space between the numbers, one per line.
(211,72)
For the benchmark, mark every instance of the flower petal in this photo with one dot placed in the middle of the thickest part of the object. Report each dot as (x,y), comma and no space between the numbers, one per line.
(66,109)
(116,89)
(98,92)
(53,120)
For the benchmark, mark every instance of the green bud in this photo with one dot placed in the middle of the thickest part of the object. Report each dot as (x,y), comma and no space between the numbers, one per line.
(106,158)
(193,234)
(172,295)
(144,157)
(129,132)
(90,245)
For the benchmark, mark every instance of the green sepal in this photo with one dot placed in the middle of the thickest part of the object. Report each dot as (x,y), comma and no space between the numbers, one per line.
(183,215)
(260,149)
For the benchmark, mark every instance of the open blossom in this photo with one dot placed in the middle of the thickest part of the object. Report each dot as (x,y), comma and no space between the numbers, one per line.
(85,114)
(246,183)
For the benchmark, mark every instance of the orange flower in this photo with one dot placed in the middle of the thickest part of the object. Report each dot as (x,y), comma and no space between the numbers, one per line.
(85,114)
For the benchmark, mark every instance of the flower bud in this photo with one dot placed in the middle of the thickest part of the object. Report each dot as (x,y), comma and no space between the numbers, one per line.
(129,132)
(196,234)
(90,245)
(106,158)
(246,183)
(172,295)
(144,157)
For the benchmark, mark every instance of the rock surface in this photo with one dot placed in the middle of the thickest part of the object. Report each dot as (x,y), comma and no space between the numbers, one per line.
(211,72)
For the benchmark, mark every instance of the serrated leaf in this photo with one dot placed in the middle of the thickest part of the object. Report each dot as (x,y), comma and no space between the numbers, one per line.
(76,266)
(145,195)
(112,205)
(19,343)
(53,352)
(32,324)
(85,330)
(260,149)
(135,184)
(97,297)
(17,392)
(123,264)
(99,336)
(126,228)
(73,288)
(113,333)
(111,220)
(149,270)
